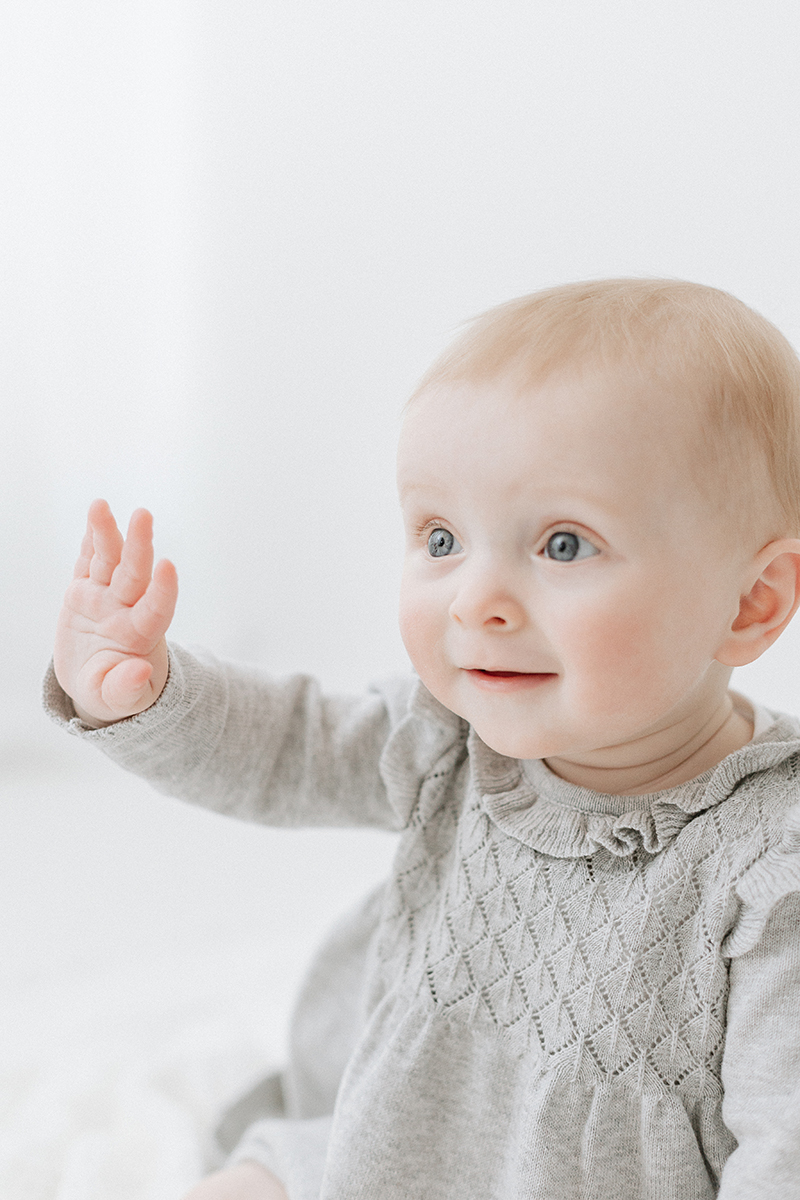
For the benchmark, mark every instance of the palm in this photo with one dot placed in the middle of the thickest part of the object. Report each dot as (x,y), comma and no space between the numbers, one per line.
(111,656)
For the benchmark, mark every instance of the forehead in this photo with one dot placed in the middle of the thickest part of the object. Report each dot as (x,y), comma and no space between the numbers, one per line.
(613,437)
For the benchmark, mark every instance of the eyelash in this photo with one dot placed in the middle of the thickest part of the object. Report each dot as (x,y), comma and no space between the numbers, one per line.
(424,527)
(564,527)
(575,532)
(429,526)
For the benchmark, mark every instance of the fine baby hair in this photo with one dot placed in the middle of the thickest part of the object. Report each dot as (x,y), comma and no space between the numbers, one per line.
(741,371)
(581,980)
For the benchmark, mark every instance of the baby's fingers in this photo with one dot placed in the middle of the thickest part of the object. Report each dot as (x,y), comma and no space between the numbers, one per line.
(106,543)
(153,613)
(85,555)
(132,575)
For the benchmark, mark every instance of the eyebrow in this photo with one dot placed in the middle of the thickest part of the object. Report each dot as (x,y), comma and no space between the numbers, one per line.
(411,487)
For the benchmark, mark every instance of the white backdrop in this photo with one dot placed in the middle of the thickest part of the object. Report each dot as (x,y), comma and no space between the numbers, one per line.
(235,232)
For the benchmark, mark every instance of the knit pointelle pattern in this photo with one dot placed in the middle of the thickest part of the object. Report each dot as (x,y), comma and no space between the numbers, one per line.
(605,964)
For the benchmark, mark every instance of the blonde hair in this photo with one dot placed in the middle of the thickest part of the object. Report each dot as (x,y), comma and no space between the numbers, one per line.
(741,369)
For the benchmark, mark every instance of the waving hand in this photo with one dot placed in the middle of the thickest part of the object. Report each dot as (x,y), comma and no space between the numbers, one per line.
(111,654)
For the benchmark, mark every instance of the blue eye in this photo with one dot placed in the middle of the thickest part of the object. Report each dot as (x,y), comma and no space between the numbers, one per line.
(441,543)
(567,547)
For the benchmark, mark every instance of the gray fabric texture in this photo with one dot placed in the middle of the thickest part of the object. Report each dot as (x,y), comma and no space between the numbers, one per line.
(558,994)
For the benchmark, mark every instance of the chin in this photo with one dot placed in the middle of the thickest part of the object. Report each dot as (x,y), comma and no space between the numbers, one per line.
(514,747)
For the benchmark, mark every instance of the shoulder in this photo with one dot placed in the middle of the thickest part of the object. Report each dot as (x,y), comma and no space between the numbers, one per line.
(427,740)
(772,797)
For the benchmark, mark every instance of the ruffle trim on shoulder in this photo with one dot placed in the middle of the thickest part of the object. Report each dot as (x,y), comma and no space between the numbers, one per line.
(427,743)
(770,879)
(560,819)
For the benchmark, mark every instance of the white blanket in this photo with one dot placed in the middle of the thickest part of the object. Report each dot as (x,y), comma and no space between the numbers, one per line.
(111,1083)
(149,953)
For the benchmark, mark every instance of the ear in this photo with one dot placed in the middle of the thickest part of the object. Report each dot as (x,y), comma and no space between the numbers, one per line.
(767,607)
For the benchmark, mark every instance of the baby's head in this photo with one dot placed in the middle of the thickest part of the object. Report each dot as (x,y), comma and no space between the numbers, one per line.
(601,489)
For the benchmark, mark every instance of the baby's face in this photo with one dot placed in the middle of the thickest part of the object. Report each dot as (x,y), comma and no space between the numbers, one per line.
(565,585)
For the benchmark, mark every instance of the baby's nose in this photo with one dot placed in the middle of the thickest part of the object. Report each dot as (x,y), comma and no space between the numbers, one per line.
(486,600)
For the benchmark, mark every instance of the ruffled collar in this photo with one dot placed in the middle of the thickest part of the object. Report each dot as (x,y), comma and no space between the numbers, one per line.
(537,807)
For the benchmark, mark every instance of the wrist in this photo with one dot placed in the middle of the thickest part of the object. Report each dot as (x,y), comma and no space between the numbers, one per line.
(93,722)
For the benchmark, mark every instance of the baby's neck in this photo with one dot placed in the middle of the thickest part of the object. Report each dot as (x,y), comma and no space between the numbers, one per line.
(663,759)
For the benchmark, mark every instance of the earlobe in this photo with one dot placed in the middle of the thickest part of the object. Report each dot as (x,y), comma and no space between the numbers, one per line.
(767,607)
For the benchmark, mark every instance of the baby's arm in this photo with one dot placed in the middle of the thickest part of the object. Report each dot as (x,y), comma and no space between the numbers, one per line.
(227,736)
(761,1064)
(110,652)
(245,1181)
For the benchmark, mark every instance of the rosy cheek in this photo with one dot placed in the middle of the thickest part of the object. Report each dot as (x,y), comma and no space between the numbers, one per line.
(602,643)
(417,626)
(629,660)
(612,649)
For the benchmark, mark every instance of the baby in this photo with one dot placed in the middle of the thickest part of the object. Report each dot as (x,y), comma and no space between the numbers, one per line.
(582,980)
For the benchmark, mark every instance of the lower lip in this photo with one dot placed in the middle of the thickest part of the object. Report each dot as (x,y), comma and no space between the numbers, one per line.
(508,681)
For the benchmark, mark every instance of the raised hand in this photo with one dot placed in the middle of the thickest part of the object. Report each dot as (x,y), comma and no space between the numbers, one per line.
(111,654)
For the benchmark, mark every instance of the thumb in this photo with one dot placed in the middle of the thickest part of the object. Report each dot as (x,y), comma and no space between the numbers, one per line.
(126,687)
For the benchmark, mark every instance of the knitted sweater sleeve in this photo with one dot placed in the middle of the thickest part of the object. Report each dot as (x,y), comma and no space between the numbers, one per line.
(761,1063)
(235,740)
